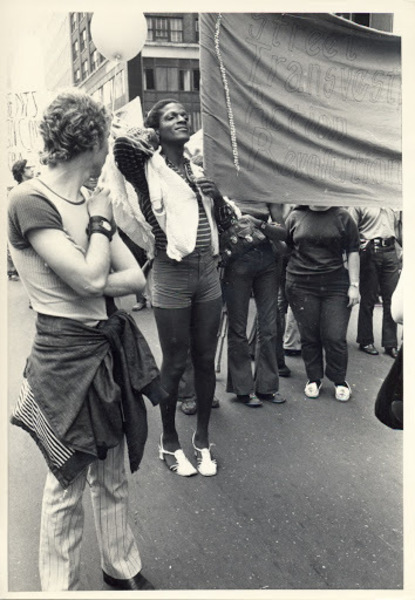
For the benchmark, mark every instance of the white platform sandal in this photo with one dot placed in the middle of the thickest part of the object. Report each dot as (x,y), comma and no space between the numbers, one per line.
(182,466)
(206,465)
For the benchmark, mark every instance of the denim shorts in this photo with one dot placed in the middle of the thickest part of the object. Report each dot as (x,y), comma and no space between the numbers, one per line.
(179,284)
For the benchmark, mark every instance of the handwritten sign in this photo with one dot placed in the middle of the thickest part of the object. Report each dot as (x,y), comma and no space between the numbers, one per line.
(24,110)
(301,108)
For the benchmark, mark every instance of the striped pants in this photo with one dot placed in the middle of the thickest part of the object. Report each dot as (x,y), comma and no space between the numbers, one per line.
(63,518)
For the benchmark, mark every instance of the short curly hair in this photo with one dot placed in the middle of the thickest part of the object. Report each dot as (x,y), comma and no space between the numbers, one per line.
(153,116)
(18,169)
(72,124)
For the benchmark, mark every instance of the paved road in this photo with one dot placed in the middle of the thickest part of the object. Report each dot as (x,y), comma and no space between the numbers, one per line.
(308,495)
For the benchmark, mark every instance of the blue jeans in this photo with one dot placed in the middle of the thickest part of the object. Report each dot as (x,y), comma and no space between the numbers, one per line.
(256,271)
(321,311)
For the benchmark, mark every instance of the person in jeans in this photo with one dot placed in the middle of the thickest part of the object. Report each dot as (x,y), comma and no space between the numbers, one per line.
(256,272)
(379,230)
(322,286)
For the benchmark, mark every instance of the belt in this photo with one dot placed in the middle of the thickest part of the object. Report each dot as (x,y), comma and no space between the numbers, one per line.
(383,242)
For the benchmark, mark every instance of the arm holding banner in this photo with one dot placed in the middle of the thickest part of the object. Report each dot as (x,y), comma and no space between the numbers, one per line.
(353,265)
(224,213)
(275,229)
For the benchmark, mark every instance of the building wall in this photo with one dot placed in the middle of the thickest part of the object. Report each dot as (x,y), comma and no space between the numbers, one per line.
(380,21)
(57,52)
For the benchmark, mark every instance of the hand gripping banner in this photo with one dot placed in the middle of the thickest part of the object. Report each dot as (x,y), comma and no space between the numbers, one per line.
(301,109)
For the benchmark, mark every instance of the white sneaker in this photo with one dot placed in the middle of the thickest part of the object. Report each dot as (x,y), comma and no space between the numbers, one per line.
(342,392)
(312,390)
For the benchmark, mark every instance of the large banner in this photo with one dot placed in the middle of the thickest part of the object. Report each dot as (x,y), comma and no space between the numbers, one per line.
(301,109)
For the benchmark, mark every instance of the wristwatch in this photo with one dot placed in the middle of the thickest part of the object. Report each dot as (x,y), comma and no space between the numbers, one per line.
(99,224)
(262,225)
(354,284)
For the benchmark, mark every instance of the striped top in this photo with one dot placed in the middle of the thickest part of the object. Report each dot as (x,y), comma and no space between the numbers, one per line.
(131,161)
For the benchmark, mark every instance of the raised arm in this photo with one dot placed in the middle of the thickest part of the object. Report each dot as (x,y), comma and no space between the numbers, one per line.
(131,151)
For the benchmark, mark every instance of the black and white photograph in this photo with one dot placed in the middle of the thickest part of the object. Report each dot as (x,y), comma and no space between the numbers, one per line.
(206,217)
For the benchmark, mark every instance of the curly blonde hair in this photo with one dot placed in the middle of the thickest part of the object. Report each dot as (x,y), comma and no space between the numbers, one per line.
(72,124)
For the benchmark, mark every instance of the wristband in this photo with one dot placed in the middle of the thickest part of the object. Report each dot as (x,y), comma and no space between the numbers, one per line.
(99,224)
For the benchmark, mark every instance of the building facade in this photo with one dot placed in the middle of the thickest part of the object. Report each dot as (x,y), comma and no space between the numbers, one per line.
(168,65)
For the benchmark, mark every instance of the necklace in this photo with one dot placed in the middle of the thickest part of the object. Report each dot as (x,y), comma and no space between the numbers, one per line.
(186,174)
(59,196)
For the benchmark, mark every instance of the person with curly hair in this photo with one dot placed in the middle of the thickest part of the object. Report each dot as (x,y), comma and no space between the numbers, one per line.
(81,397)
(183,206)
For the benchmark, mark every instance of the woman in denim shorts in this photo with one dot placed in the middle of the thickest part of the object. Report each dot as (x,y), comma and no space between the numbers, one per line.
(183,208)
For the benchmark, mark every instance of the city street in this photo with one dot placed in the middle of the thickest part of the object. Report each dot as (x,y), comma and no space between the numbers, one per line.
(308,494)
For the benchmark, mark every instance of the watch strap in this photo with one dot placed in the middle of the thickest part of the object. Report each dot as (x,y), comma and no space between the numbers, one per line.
(98,224)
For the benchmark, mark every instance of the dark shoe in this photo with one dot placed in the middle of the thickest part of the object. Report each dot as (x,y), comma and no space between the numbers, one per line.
(215,402)
(392,352)
(369,349)
(292,352)
(138,582)
(188,406)
(283,370)
(139,305)
(249,400)
(275,398)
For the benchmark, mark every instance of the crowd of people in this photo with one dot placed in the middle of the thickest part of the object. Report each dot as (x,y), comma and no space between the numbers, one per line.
(89,368)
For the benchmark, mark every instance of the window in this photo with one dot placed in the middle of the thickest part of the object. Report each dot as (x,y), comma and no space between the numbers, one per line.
(189,80)
(195,120)
(167,79)
(95,60)
(176,30)
(74,21)
(107,92)
(196,79)
(77,75)
(184,80)
(75,49)
(85,69)
(119,85)
(164,29)
(149,79)
(360,18)
(83,39)
(197,29)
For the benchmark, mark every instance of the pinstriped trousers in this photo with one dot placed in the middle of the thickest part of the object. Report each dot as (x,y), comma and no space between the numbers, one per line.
(63,519)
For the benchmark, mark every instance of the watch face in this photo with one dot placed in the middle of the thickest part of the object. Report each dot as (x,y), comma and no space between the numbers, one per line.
(106,225)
